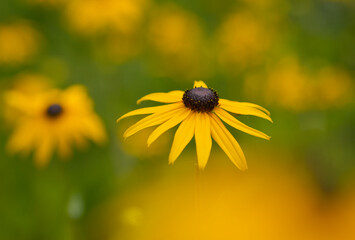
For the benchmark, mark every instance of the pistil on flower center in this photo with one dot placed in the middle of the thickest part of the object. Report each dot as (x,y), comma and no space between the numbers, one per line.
(54,110)
(200,99)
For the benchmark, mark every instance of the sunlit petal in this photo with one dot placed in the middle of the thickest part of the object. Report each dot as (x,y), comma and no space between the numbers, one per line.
(179,116)
(149,110)
(183,136)
(170,97)
(200,84)
(203,138)
(152,120)
(227,142)
(232,121)
(241,109)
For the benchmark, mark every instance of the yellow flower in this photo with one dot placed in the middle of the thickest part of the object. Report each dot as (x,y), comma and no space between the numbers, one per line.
(199,110)
(25,86)
(93,16)
(53,120)
(179,43)
(238,40)
(19,41)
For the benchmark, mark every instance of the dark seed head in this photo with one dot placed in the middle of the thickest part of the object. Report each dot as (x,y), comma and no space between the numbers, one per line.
(54,110)
(200,99)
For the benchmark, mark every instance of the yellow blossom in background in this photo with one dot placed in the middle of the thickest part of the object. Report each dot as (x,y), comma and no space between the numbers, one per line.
(269,202)
(242,40)
(288,85)
(19,42)
(25,87)
(95,16)
(177,39)
(200,111)
(334,87)
(294,87)
(53,120)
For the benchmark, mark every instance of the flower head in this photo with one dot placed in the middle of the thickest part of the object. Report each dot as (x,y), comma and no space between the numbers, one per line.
(200,111)
(53,120)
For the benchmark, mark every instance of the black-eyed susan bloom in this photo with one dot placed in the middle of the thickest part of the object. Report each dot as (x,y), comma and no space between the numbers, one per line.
(52,120)
(200,111)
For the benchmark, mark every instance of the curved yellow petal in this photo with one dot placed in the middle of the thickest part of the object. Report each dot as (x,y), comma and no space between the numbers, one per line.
(203,139)
(169,97)
(182,137)
(150,110)
(152,120)
(200,84)
(241,109)
(227,142)
(253,105)
(179,116)
(232,121)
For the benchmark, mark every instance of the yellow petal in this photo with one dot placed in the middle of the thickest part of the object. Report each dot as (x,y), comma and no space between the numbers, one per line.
(44,151)
(182,137)
(170,97)
(241,109)
(203,139)
(200,84)
(227,142)
(179,116)
(229,119)
(150,110)
(64,146)
(246,104)
(23,138)
(152,120)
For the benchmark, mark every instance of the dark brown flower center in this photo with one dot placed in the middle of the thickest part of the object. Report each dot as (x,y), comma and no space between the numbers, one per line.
(200,99)
(54,110)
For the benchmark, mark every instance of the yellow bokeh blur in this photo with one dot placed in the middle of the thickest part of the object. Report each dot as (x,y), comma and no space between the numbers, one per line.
(19,42)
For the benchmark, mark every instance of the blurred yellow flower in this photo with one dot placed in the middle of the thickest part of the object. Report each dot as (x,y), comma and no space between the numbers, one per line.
(178,41)
(25,86)
(19,42)
(288,85)
(199,111)
(93,16)
(242,40)
(292,86)
(271,202)
(53,120)
(335,87)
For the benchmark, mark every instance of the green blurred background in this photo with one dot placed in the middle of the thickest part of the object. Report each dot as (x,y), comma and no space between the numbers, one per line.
(294,57)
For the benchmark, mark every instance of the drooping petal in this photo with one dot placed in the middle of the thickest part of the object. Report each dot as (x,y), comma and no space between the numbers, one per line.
(227,142)
(200,84)
(183,136)
(232,121)
(64,146)
(169,97)
(150,110)
(253,105)
(179,116)
(23,138)
(203,138)
(44,150)
(241,109)
(152,120)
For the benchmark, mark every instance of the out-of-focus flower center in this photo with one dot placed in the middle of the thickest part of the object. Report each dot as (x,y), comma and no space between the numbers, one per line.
(200,99)
(54,110)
